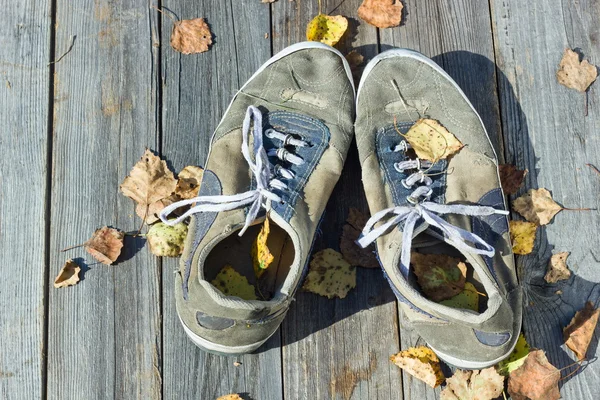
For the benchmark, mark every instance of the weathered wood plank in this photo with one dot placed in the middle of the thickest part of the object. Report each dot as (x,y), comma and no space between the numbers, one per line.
(196,91)
(547,132)
(339,348)
(456,35)
(104,333)
(25,32)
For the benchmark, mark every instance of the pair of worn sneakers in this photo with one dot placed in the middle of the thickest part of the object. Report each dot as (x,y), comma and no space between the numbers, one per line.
(279,151)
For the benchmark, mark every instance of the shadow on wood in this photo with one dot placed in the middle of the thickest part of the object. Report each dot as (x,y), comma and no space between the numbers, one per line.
(546,312)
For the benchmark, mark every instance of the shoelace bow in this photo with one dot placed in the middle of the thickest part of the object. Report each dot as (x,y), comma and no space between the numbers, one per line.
(266,179)
(428,211)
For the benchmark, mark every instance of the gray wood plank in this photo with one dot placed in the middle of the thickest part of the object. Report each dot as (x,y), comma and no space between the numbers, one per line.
(104,333)
(456,35)
(25,32)
(339,348)
(196,91)
(546,131)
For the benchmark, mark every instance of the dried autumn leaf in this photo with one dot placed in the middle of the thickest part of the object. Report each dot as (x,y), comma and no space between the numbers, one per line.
(431,141)
(260,253)
(231,283)
(149,181)
(575,74)
(326,29)
(330,275)
(233,396)
(536,379)
(422,363)
(166,240)
(537,206)
(354,59)
(351,251)
(516,358)
(578,334)
(155,208)
(467,299)
(522,235)
(105,244)
(188,182)
(381,13)
(191,36)
(484,384)
(511,178)
(440,276)
(268,2)
(68,275)
(557,268)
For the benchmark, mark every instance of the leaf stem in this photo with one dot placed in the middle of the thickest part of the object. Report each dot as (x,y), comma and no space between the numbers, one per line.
(596,170)
(164,13)
(73,247)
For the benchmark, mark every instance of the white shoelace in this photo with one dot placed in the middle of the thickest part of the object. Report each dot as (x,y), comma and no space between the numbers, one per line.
(260,167)
(427,211)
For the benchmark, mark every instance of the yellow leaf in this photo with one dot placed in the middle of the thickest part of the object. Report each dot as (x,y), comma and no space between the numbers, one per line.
(233,396)
(516,358)
(422,363)
(537,206)
(261,255)
(68,275)
(522,235)
(431,141)
(330,275)
(166,240)
(231,283)
(467,299)
(326,29)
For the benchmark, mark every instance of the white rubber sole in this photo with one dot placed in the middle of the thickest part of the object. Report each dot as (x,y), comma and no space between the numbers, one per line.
(219,348)
(285,52)
(464,364)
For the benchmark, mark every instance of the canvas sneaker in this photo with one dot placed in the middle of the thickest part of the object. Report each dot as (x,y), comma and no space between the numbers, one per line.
(278,152)
(454,207)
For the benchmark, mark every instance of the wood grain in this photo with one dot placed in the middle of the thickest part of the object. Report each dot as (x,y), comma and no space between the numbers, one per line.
(25,32)
(339,349)
(196,91)
(546,131)
(105,333)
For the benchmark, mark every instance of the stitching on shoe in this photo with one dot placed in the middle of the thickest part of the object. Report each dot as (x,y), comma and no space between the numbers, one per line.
(272,70)
(303,102)
(445,109)
(324,81)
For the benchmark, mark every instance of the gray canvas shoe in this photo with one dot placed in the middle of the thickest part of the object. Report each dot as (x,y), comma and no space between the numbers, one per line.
(279,150)
(454,207)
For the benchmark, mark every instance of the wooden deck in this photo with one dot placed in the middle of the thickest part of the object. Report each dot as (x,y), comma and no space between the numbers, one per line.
(71,130)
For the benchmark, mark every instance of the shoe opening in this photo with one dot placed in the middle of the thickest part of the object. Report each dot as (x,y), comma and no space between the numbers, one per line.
(436,270)
(236,252)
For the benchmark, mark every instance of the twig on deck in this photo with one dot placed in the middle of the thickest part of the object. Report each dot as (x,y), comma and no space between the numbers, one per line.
(66,52)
